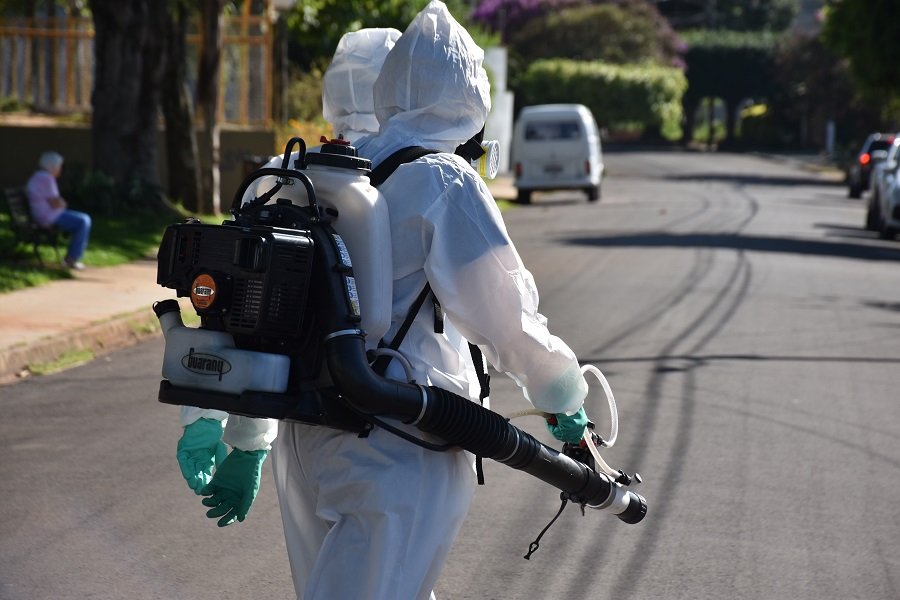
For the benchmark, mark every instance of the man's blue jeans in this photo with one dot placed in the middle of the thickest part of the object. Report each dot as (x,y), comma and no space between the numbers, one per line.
(78,224)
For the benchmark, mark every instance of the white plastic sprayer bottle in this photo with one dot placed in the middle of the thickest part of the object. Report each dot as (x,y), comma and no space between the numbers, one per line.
(207,359)
(340,181)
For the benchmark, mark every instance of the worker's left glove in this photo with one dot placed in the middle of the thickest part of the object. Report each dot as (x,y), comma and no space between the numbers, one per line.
(199,450)
(233,488)
(568,428)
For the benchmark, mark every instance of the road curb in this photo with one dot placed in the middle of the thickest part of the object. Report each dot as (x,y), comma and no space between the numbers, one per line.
(100,338)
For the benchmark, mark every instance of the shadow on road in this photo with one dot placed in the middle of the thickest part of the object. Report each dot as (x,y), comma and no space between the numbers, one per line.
(745,179)
(847,231)
(684,362)
(742,242)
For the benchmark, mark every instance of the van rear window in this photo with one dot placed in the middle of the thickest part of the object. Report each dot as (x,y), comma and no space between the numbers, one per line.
(552,130)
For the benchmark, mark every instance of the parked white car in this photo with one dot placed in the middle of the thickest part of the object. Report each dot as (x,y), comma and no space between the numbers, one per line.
(557,147)
(880,215)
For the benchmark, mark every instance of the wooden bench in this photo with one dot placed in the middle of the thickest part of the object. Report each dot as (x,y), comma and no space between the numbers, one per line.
(26,230)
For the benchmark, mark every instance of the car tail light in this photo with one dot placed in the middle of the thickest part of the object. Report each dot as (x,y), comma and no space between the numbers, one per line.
(518,169)
(587,167)
(864,158)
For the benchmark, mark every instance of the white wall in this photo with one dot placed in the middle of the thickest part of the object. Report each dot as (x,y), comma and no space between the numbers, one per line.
(499,125)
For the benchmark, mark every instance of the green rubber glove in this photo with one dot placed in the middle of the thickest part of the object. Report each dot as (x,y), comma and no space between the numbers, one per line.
(568,428)
(234,486)
(199,450)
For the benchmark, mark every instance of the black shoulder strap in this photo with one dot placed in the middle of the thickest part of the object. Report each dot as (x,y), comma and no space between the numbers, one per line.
(381,363)
(379,174)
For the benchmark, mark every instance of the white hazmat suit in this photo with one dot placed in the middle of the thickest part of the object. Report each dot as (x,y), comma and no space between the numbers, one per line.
(375,517)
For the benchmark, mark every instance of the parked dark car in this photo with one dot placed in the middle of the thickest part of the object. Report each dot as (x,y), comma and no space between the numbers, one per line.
(873,151)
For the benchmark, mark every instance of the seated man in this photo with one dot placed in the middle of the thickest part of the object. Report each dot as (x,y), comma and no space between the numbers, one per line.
(49,209)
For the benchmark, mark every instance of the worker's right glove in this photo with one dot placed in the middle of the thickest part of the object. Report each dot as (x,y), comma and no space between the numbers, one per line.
(233,488)
(568,428)
(199,450)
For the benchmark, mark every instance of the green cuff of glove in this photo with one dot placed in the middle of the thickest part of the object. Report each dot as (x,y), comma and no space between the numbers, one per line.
(200,449)
(569,428)
(233,488)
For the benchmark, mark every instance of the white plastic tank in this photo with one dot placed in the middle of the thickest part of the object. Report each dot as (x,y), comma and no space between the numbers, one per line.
(341,182)
(363,222)
(205,359)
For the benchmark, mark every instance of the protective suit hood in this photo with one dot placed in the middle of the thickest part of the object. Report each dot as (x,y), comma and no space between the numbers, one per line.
(432,90)
(347,100)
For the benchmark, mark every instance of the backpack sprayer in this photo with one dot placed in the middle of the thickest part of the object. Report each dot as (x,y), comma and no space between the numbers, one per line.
(281,332)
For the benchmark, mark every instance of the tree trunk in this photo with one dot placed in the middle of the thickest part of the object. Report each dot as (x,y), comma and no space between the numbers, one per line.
(125,98)
(689,106)
(178,112)
(208,97)
(731,107)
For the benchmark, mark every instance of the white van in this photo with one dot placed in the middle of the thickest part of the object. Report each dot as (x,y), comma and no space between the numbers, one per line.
(557,147)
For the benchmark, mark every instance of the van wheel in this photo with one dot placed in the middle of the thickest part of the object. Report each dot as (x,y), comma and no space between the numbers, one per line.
(593,193)
(524,197)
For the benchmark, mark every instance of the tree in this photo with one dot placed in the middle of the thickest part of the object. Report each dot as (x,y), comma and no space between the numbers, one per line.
(735,15)
(867,32)
(506,17)
(629,33)
(812,87)
(316,26)
(208,98)
(178,110)
(127,76)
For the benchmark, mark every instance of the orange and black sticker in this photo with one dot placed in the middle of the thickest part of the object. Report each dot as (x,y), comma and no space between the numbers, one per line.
(203,291)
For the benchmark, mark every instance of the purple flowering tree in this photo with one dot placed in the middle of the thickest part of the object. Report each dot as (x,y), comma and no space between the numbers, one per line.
(508,16)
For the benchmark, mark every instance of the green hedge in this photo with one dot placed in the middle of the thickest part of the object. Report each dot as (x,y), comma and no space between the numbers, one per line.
(620,96)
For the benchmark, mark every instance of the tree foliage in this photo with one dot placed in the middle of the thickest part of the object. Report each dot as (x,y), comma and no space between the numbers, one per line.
(628,33)
(813,86)
(867,32)
(735,15)
(316,26)
(508,16)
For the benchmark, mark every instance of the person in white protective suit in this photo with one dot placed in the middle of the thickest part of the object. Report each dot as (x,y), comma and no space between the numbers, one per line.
(347,102)
(374,517)
(349,108)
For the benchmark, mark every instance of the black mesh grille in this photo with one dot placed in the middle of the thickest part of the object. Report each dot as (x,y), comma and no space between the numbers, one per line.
(196,241)
(245,308)
(287,296)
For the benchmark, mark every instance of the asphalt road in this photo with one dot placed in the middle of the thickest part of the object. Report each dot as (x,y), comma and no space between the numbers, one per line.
(748,326)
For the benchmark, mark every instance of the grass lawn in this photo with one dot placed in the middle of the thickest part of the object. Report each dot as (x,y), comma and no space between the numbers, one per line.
(113,241)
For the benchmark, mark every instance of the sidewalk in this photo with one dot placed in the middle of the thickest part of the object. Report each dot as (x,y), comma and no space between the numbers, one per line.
(102,309)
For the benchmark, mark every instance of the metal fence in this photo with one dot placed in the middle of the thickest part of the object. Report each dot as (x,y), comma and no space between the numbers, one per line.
(48,64)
